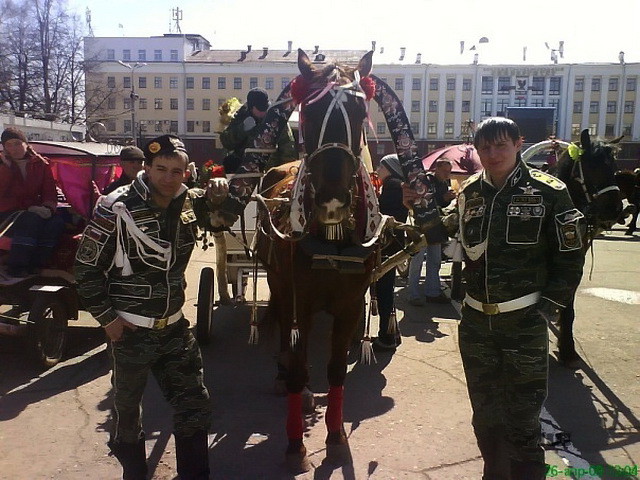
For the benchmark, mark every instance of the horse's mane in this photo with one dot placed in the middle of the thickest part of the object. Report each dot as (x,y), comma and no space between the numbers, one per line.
(599,149)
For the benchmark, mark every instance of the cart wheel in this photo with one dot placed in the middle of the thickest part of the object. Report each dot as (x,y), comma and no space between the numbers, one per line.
(205,306)
(48,329)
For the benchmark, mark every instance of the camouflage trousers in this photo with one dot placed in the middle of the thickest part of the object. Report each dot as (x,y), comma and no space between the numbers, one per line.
(505,359)
(173,357)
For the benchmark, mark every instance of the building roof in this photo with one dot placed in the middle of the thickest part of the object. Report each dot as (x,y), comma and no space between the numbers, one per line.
(266,55)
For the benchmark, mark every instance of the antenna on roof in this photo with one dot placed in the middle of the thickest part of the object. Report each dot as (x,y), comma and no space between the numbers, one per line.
(87,16)
(176,15)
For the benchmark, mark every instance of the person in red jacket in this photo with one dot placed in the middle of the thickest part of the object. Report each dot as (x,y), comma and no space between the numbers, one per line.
(28,203)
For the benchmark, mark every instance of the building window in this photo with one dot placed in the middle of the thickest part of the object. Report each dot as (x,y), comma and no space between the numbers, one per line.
(466,106)
(142,82)
(221,102)
(237,83)
(611,106)
(448,106)
(284,82)
(432,128)
(433,106)
(594,107)
(157,55)
(126,82)
(206,83)
(206,104)
(111,103)
(487,84)
(268,83)
(173,103)
(206,126)
(127,103)
(626,130)
(554,102)
(448,128)
(157,103)
(127,126)
(415,105)
(381,128)
(595,84)
(142,55)
(504,85)
(433,83)
(380,150)
(575,129)
(451,83)
(222,83)
(190,126)
(173,82)
(415,126)
(503,104)
(486,107)
(538,102)
(399,83)
(111,82)
(173,126)
(158,126)
(613,86)
(174,55)
(579,85)
(466,84)
(537,85)
(190,104)
(628,106)
(111,54)
(126,55)
(631,84)
(190,83)
(253,82)
(555,84)
(608,130)
(577,107)
(111,125)
(157,82)
(142,104)
(416,83)
(520,102)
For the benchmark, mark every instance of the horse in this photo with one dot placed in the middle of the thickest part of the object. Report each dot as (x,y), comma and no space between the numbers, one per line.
(588,171)
(629,184)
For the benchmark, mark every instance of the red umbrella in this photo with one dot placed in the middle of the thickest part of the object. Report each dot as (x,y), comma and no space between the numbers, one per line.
(464,159)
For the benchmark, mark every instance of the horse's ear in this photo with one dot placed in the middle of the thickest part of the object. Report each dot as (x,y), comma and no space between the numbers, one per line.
(304,64)
(364,67)
(585,140)
(617,139)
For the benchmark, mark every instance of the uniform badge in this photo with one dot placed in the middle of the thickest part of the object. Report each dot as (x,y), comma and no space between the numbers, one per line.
(88,251)
(529,190)
(568,228)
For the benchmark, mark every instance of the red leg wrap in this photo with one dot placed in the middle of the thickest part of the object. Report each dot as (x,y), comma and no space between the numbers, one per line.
(294,418)
(333,418)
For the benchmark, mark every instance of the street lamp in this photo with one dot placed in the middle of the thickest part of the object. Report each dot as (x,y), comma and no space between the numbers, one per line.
(133,96)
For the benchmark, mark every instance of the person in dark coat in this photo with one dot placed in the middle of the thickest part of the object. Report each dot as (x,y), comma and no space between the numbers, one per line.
(131,159)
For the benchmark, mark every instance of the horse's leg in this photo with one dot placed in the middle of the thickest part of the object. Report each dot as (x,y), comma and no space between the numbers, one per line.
(634,219)
(220,243)
(566,346)
(344,326)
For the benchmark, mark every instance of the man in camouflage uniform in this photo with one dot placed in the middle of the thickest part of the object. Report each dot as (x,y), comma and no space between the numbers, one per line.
(523,262)
(130,274)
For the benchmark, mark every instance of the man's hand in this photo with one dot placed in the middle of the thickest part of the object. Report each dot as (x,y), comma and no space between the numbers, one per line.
(116,328)
(449,195)
(248,123)
(217,190)
(549,310)
(41,211)
(410,197)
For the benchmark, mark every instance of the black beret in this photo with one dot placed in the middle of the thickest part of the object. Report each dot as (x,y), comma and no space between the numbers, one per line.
(164,145)
(12,132)
(131,153)
(258,97)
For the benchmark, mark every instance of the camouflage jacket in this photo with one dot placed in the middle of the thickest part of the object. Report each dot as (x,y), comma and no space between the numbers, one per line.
(154,284)
(522,238)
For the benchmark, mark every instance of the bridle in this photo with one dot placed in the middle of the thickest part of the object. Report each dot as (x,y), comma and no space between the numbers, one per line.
(577,174)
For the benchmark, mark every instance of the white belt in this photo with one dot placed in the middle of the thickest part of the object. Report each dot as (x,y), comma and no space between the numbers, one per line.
(150,322)
(503,307)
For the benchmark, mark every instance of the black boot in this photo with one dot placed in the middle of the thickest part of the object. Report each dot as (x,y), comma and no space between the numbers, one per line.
(132,457)
(192,456)
(528,470)
(496,465)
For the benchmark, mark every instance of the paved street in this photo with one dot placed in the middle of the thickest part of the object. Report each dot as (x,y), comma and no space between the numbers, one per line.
(407,416)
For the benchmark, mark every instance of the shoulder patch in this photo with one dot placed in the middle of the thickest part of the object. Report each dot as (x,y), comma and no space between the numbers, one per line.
(473,178)
(547,179)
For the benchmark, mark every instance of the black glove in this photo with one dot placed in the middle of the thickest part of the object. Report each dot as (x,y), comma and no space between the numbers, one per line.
(549,310)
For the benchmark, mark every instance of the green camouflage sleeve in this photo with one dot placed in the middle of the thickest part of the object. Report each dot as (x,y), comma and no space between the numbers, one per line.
(565,230)
(93,260)
(286,149)
(234,136)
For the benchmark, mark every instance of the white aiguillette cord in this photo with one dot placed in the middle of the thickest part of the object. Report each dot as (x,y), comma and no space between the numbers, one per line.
(141,240)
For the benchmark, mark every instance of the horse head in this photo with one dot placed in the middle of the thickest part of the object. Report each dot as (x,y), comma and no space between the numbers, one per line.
(332,111)
(589,170)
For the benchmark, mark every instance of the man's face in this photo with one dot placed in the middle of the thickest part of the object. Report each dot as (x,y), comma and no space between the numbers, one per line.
(258,113)
(499,158)
(443,171)
(166,174)
(15,148)
(131,167)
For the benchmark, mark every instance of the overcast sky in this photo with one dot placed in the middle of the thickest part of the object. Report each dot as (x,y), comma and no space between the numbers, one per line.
(433,28)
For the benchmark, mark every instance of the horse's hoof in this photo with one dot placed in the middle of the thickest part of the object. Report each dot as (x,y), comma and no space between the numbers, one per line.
(338,451)
(280,387)
(297,461)
(308,401)
(571,361)
(629,232)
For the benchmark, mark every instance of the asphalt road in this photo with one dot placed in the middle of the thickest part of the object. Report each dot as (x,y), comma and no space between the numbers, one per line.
(407,416)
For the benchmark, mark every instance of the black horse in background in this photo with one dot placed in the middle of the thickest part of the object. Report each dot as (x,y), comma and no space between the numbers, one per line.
(629,184)
(588,170)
